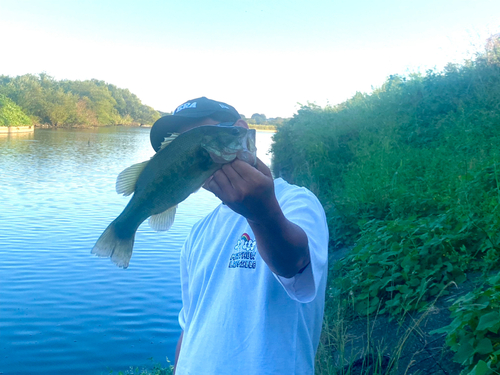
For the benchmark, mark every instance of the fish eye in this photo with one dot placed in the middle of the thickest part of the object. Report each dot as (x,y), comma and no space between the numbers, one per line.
(235,131)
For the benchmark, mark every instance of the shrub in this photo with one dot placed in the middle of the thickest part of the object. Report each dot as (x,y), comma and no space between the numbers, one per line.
(11,114)
(474,333)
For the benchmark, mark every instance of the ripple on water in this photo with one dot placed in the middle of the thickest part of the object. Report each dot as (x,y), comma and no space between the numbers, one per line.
(62,310)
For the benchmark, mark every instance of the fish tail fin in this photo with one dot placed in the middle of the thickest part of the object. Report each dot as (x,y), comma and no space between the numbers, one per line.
(111,245)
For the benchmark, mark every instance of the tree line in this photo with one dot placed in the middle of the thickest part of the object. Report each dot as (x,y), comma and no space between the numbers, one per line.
(261,119)
(47,101)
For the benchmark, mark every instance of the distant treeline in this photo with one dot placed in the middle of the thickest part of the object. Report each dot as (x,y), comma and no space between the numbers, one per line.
(262,127)
(409,175)
(73,103)
(260,119)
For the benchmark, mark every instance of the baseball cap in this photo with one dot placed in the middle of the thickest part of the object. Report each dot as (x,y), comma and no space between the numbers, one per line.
(189,112)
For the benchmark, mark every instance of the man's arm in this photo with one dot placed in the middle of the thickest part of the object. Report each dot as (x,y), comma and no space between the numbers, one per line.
(249,191)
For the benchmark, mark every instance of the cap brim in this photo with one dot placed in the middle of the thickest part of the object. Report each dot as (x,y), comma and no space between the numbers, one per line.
(164,126)
(188,113)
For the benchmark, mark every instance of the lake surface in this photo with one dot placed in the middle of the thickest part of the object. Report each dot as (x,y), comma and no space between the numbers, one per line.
(62,310)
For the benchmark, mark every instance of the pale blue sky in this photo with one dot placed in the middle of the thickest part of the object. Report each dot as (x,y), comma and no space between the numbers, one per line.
(260,56)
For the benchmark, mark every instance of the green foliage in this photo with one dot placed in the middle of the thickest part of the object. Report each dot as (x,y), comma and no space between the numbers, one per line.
(409,178)
(262,127)
(474,333)
(259,118)
(11,114)
(398,265)
(313,149)
(100,101)
(407,149)
(69,103)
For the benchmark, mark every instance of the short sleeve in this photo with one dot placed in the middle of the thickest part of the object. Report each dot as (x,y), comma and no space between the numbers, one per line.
(302,208)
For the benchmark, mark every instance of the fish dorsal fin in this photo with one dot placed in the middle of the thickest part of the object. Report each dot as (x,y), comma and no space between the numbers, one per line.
(126,180)
(164,220)
(168,140)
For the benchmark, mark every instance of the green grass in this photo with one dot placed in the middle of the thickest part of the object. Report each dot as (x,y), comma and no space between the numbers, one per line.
(342,353)
(351,344)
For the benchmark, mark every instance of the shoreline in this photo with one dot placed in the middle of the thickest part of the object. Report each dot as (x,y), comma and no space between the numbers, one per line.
(265,130)
(16,129)
(43,126)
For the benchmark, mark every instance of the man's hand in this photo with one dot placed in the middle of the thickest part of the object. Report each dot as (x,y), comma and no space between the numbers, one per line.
(249,191)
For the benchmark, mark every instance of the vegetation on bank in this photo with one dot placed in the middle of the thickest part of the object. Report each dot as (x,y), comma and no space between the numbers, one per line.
(11,114)
(260,121)
(262,127)
(157,369)
(409,176)
(47,101)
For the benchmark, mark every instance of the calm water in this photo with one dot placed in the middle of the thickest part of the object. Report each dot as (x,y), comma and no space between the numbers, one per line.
(62,310)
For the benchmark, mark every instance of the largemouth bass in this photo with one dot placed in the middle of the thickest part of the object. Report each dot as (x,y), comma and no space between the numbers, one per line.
(180,168)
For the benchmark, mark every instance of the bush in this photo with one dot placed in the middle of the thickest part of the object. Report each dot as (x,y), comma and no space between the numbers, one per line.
(11,114)
(409,178)
(474,333)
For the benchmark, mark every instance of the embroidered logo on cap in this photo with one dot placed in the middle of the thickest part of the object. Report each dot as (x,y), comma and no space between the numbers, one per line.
(184,106)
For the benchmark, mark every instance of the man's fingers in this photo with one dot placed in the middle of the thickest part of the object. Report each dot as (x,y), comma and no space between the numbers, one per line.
(248,172)
(221,185)
(235,177)
(263,168)
(233,180)
(212,186)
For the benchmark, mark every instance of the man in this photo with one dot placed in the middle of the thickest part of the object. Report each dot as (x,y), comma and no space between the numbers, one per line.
(253,272)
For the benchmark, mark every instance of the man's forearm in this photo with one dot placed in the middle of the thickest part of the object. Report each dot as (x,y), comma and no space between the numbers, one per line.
(282,244)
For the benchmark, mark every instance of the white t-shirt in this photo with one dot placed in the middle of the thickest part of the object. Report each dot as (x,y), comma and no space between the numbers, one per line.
(238,317)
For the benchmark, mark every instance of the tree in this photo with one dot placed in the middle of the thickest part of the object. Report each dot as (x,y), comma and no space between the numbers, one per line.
(90,102)
(259,118)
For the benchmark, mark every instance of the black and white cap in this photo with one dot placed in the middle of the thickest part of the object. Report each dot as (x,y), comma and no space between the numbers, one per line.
(187,113)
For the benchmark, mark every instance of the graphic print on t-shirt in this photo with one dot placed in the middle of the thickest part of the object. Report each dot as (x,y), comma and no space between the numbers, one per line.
(243,255)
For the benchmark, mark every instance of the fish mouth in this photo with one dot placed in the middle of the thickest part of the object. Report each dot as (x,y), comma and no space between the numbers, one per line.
(249,153)
(243,149)
(247,156)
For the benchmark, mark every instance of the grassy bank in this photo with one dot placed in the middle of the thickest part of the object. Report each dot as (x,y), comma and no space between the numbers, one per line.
(409,178)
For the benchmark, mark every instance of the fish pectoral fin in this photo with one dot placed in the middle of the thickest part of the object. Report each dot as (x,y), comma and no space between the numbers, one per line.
(168,140)
(164,220)
(126,180)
